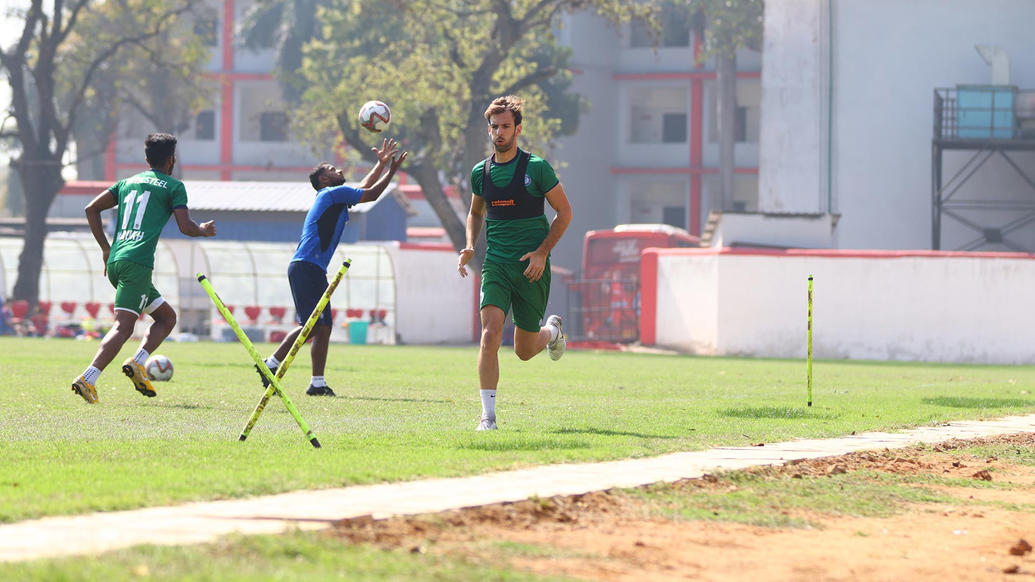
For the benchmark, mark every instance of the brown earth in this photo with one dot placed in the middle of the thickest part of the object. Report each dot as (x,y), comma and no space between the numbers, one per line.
(615,536)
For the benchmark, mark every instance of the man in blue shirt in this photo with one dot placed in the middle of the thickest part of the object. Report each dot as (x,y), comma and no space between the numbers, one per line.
(307,272)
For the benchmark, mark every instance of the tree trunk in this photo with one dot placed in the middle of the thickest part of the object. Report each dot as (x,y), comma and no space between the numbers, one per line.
(454,223)
(726,73)
(41,180)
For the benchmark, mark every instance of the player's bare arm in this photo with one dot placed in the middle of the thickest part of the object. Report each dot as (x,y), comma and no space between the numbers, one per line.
(99,204)
(372,193)
(537,259)
(475,219)
(191,228)
(384,155)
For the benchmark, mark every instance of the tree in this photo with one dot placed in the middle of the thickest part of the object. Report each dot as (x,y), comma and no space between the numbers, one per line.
(727,25)
(43,58)
(161,79)
(439,67)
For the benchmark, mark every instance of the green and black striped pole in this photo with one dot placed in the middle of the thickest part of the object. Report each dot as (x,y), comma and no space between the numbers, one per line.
(299,342)
(809,372)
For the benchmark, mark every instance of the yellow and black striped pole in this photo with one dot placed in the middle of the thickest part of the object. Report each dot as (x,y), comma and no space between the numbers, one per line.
(247,343)
(810,342)
(299,342)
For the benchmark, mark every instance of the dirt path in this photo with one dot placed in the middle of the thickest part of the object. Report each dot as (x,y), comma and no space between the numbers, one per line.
(970,533)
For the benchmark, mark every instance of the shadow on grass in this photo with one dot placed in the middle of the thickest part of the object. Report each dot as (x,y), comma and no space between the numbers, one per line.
(778,412)
(183,405)
(523,445)
(384,399)
(604,432)
(964,402)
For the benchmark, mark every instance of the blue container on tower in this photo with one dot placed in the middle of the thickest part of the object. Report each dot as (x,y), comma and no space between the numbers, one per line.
(985,111)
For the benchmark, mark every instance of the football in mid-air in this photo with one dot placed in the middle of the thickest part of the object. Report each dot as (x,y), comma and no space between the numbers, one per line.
(375,116)
(159,368)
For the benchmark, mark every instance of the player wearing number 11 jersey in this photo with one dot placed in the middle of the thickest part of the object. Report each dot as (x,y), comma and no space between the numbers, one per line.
(144,202)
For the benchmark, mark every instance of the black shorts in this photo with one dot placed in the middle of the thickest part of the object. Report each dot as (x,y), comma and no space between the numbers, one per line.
(308,282)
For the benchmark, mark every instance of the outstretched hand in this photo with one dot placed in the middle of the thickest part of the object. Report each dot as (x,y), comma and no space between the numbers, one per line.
(397,161)
(388,149)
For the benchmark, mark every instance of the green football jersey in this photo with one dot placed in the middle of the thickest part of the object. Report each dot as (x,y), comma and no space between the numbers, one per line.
(145,203)
(509,240)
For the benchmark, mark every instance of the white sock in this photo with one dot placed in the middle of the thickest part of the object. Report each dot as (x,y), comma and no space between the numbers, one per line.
(91,374)
(554,332)
(272,362)
(489,404)
(141,356)
(318,381)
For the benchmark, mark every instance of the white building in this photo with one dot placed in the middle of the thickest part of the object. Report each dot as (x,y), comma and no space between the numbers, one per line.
(848,110)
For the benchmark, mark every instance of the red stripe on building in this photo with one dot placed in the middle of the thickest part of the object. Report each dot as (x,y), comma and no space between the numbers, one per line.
(226,130)
(109,158)
(836,253)
(696,147)
(682,75)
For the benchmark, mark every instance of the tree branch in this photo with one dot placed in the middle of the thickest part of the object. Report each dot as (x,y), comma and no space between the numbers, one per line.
(532,79)
(80,92)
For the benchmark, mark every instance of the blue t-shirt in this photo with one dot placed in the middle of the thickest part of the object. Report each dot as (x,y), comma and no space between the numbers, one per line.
(324,224)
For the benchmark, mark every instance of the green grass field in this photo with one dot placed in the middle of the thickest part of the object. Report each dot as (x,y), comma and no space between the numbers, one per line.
(407,413)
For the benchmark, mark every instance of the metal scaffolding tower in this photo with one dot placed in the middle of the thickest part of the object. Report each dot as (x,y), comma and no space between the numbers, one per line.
(989,121)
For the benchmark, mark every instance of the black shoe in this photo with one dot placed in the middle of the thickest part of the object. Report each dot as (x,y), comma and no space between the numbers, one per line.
(319,391)
(265,380)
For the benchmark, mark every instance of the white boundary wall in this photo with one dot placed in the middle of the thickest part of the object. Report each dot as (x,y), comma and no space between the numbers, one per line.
(435,306)
(927,306)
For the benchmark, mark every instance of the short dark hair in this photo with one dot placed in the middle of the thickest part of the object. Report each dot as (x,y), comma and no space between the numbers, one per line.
(314,176)
(159,147)
(511,103)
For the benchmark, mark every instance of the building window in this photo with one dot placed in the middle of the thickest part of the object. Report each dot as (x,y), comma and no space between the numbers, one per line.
(746,115)
(658,115)
(659,202)
(673,128)
(205,126)
(273,126)
(675,28)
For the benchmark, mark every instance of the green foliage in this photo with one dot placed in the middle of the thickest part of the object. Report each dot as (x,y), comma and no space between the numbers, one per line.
(160,77)
(438,65)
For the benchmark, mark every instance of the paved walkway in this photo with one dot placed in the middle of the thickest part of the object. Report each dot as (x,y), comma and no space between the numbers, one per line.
(205,522)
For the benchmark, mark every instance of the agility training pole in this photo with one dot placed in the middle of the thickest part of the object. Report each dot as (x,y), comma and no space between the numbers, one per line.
(299,342)
(809,372)
(247,343)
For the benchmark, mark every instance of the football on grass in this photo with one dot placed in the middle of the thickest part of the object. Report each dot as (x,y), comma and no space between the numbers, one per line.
(159,368)
(375,116)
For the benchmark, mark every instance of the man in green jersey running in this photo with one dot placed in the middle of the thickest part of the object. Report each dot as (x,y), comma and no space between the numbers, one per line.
(145,202)
(509,189)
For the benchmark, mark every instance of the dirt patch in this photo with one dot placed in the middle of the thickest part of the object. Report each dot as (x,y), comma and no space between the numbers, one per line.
(976,534)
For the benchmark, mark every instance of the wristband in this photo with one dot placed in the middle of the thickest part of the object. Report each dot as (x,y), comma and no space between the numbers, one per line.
(468,249)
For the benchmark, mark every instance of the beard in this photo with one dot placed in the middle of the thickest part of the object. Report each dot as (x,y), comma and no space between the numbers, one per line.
(506,146)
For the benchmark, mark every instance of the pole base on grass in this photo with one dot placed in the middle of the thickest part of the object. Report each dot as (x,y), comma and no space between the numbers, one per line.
(810,404)
(316,443)
(242,437)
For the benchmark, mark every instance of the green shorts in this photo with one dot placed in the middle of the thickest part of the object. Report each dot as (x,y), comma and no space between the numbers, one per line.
(505,286)
(134,290)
